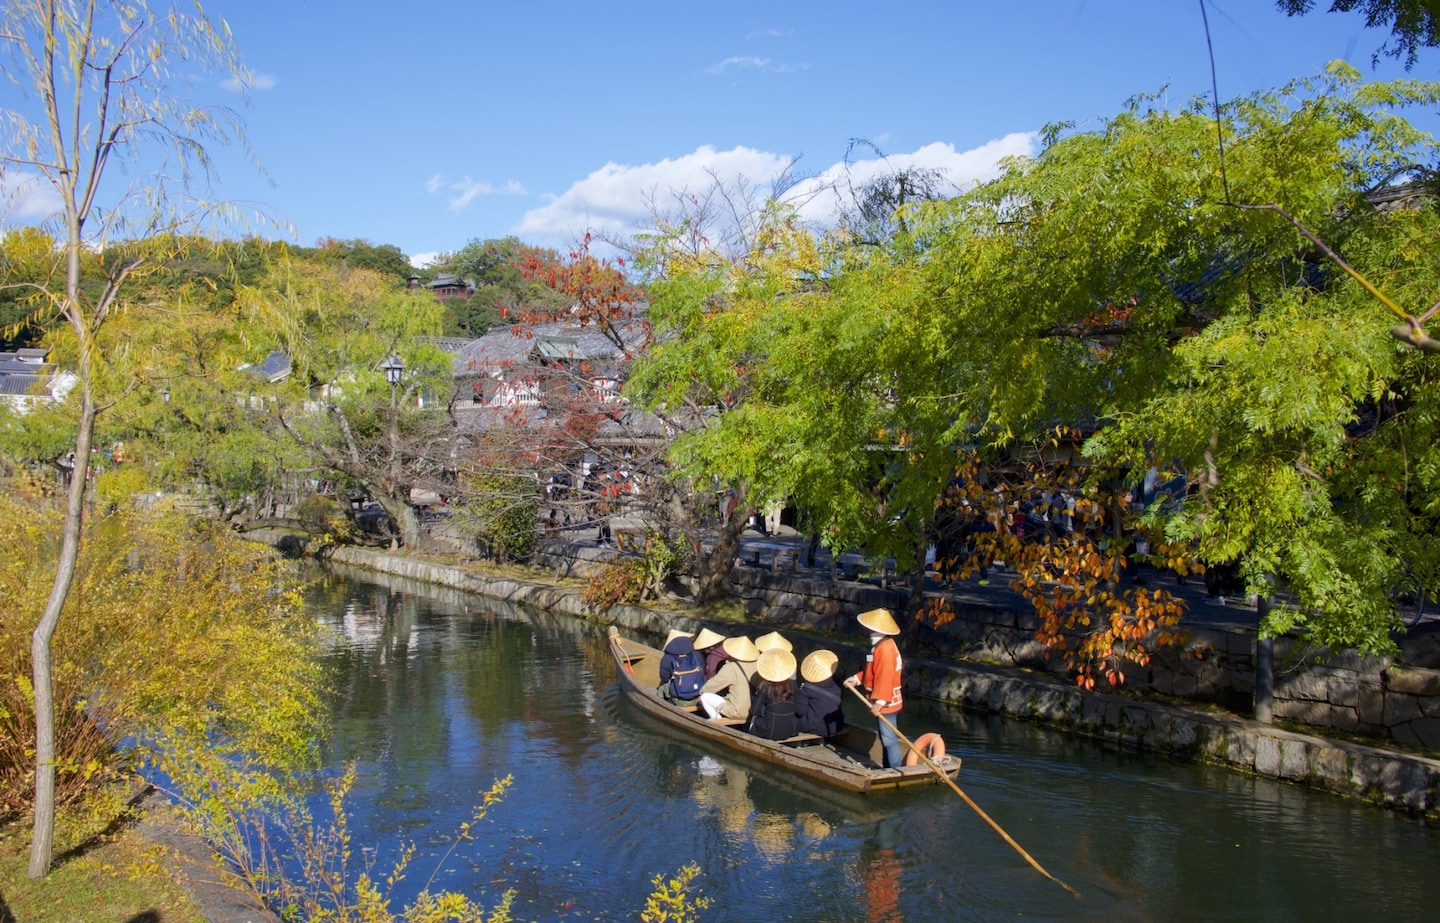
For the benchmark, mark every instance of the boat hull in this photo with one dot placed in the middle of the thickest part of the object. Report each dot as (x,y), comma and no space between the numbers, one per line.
(849,761)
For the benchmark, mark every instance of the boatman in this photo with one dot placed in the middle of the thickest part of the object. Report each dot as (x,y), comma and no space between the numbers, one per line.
(880,680)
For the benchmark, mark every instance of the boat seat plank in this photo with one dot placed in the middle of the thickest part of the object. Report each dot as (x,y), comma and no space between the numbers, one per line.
(802,740)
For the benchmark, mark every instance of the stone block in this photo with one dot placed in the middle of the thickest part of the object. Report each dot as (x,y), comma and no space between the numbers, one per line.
(1371,707)
(1400,709)
(1183,734)
(1405,783)
(1136,720)
(1413,681)
(1346,695)
(1312,713)
(1309,686)
(1350,661)
(1185,686)
(1427,732)
(1343,718)
(1017,700)
(1330,768)
(1294,759)
(1267,756)
(1429,706)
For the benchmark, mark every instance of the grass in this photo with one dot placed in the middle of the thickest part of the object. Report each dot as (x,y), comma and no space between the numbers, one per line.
(116,876)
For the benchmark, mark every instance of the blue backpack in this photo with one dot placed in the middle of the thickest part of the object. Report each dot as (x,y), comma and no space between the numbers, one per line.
(688,676)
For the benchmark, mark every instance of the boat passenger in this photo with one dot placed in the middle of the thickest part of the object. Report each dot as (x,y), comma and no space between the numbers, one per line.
(773,641)
(682,670)
(818,703)
(880,680)
(727,693)
(708,643)
(772,713)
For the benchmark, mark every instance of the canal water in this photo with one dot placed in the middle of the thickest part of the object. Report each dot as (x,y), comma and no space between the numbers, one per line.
(437,694)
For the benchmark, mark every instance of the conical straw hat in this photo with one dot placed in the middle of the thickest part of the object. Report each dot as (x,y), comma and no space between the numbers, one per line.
(819,666)
(879,620)
(740,648)
(776,665)
(707,638)
(772,641)
(675,633)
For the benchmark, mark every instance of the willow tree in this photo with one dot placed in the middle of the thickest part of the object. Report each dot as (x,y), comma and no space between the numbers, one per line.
(337,327)
(99,89)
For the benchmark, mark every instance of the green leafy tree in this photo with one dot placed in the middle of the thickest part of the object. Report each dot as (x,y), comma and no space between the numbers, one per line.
(338,327)
(1413,23)
(1209,339)
(502,288)
(385,259)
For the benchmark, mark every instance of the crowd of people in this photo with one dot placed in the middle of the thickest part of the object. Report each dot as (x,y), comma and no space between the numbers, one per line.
(761,684)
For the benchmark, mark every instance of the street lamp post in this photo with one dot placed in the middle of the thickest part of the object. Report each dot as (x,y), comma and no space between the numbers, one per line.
(394,369)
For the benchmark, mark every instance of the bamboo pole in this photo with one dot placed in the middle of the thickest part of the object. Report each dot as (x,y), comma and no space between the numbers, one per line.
(951,782)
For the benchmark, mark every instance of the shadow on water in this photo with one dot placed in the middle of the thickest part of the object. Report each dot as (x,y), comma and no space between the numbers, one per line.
(439,693)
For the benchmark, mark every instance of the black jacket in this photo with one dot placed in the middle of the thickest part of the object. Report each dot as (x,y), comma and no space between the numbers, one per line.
(817,707)
(772,719)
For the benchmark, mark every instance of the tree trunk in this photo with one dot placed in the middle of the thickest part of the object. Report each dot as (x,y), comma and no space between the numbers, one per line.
(402,517)
(713,570)
(43,839)
(916,602)
(1264,668)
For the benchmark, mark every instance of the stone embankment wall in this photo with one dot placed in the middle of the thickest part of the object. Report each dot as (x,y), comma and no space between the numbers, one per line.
(1400,780)
(1373,696)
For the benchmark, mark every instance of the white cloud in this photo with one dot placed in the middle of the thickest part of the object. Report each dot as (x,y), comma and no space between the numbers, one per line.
(421,260)
(617,199)
(821,197)
(251,80)
(467,190)
(751,62)
(27,197)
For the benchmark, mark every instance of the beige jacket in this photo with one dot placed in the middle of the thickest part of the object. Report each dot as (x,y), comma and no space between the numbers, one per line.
(732,681)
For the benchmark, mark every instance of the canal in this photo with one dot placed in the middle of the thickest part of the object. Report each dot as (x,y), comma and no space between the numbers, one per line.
(437,694)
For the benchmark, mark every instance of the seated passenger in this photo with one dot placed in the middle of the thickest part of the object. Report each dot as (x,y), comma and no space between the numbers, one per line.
(727,693)
(682,670)
(772,713)
(818,703)
(772,641)
(708,643)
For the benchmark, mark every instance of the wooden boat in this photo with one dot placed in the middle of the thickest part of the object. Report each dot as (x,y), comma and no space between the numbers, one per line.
(851,760)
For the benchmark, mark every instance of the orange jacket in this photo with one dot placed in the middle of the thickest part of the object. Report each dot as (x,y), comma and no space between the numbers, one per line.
(881,676)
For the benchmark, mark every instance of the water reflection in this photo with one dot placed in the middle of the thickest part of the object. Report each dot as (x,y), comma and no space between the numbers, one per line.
(437,694)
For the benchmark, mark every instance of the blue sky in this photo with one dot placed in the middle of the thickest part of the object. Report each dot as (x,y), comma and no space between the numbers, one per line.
(430,123)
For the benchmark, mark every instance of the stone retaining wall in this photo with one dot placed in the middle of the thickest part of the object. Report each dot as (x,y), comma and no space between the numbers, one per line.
(1373,696)
(1404,781)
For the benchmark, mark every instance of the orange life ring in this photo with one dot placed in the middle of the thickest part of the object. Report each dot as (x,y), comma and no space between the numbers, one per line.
(932,744)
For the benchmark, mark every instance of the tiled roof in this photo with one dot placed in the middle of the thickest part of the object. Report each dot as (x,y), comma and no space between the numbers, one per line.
(502,347)
(15,383)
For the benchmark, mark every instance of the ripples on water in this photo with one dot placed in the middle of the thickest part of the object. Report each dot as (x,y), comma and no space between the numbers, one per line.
(438,694)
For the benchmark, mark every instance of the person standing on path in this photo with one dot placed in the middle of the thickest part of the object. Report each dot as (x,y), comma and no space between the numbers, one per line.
(880,680)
